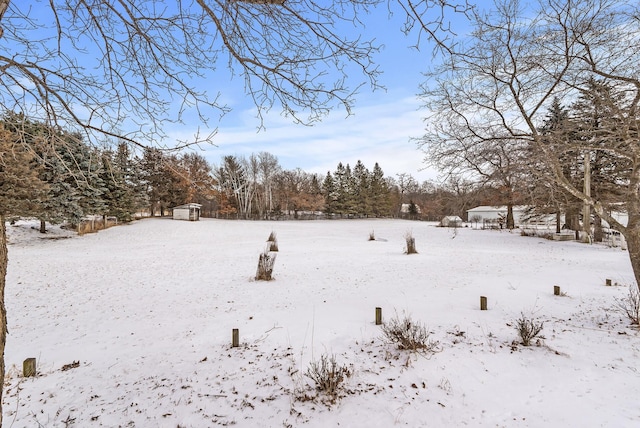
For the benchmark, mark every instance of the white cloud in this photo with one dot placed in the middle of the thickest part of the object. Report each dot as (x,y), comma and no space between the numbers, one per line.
(380,133)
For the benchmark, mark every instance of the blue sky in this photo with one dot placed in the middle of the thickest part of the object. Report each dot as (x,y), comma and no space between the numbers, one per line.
(381,128)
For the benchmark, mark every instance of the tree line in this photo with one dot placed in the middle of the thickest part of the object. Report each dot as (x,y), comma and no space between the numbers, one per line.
(56,177)
(60,178)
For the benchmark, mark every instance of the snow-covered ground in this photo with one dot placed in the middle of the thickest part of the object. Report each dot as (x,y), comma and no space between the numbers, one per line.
(131,327)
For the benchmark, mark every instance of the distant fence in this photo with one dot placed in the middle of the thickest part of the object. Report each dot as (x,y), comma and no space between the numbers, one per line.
(91,225)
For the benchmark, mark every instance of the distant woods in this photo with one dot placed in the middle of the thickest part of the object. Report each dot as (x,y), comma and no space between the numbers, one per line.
(58,178)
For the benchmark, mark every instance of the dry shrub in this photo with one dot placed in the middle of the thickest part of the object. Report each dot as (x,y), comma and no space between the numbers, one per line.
(328,375)
(407,334)
(630,305)
(265,266)
(411,243)
(528,329)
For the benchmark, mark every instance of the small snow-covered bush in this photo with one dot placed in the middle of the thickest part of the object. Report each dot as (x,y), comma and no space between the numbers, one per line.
(528,329)
(328,376)
(630,305)
(407,334)
(265,266)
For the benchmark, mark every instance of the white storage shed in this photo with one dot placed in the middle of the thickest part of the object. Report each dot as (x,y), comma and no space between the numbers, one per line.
(189,212)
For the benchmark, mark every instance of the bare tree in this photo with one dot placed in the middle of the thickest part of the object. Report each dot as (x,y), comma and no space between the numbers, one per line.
(501,80)
(268,169)
(496,162)
(405,184)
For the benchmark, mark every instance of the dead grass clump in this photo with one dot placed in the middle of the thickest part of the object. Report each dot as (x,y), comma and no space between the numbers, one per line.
(328,376)
(630,305)
(528,329)
(407,334)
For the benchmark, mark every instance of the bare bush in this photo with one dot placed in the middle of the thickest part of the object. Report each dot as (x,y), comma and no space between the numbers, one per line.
(328,376)
(408,335)
(528,329)
(630,305)
(411,243)
(265,266)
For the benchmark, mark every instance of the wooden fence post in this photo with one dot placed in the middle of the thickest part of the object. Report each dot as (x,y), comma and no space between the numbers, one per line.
(29,367)
(483,303)
(556,290)
(378,316)
(608,282)
(235,338)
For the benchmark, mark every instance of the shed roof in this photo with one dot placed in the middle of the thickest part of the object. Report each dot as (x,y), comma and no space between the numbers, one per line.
(188,206)
(452,218)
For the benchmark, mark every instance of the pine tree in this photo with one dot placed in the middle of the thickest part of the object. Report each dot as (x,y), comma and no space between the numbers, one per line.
(595,113)
(380,195)
(22,192)
(68,166)
(120,182)
(330,194)
(362,189)
(152,175)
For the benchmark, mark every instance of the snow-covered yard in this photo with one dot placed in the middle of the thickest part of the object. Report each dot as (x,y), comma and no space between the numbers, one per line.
(131,327)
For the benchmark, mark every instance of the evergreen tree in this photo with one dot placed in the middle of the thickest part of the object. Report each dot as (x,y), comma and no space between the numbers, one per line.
(118,174)
(91,186)
(594,113)
(22,192)
(153,174)
(330,194)
(350,191)
(70,168)
(380,195)
(362,189)
(559,132)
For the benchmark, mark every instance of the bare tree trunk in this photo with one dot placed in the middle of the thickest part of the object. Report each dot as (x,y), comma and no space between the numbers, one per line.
(43,226)
(3,312)
(586,209)
(597,229)
(558,221)
(571,218)
(511,224)
(4,5)
(632,236)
